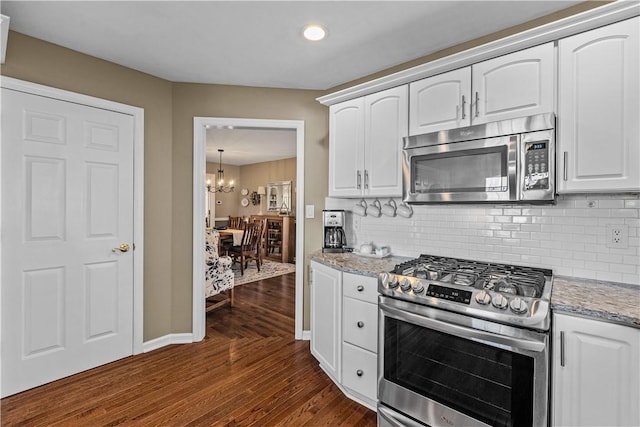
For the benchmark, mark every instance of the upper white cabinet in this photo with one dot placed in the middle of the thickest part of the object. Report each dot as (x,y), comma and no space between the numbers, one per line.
(596,373)
(326,318)
(440,102)
(598,109)
(506,87)
(365,145)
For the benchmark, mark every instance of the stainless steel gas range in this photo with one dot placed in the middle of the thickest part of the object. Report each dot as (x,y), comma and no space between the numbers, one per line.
(463,343)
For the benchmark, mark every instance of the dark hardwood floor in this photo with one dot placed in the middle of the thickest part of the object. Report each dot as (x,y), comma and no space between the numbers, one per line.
(248,371)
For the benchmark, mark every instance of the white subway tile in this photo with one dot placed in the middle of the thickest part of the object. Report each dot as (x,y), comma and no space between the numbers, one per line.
(609,276)
(614,204)
(635,203)
(631,278)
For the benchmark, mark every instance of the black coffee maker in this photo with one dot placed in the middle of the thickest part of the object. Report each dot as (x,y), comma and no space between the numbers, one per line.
(335,239)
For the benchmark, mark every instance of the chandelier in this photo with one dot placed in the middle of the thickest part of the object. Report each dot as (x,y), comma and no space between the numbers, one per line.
(220,187)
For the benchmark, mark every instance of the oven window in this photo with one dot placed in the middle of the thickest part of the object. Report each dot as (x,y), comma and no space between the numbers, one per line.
(467,171)
(487,383)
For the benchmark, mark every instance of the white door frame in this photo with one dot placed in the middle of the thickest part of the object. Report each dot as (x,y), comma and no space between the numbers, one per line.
(138,182)
(200,125)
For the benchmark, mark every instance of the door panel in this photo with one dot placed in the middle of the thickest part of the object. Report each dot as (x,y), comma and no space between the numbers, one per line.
(67,201)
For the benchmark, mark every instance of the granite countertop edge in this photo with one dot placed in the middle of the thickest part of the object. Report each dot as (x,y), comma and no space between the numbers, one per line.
(596,299)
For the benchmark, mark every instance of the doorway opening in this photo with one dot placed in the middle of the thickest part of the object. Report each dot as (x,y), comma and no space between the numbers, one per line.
(200,127)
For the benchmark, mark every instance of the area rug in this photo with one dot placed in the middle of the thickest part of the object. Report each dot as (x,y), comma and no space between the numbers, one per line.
(267,270)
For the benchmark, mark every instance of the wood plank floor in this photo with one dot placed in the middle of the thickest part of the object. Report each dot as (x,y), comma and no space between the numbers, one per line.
(248,371)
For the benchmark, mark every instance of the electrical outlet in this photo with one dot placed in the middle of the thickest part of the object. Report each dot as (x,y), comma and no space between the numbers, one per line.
(617,236)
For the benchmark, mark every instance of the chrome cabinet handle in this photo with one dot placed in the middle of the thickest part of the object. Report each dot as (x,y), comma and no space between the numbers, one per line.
(122,248)
(477,104)
(561,348)
(464,101)
(360,324)
(359,178)
(565,161)
(360,288)
(359,372)
(366,179)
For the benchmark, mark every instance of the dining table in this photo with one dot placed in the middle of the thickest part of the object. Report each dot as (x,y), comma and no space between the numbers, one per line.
(230,234)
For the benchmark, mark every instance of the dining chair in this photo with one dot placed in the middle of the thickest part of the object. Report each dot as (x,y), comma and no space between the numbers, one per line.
(249,247)
(262,242)
(236,222)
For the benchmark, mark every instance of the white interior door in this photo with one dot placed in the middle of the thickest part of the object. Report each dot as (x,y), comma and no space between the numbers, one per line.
(67,201)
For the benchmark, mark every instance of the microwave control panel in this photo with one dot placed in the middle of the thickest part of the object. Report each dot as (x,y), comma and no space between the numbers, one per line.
(536,164)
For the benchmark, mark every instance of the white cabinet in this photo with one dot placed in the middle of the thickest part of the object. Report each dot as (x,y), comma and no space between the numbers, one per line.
(440,102)
(595,373)
(598,110)
(515,85)
(360,337)
(365,145)
(326,311)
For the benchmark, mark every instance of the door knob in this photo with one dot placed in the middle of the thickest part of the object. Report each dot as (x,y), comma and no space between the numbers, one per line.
(122,248)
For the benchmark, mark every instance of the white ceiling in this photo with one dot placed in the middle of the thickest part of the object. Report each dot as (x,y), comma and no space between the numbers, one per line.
(244,146)
(259,43)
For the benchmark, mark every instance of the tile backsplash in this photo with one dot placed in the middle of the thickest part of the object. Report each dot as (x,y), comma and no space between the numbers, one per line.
(569,237)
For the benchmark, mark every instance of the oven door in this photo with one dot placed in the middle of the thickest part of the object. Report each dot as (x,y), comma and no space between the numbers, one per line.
(483,170)
(447,369)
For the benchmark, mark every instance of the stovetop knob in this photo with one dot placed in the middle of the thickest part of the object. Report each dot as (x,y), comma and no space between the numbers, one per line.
(417,288)
(405,285)
(483,298)
(393,282)
(500,301)
(518,306)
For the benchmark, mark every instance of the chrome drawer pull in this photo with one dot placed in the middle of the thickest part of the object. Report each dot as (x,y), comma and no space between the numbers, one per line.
(360,288)
(359,372)
(360,324)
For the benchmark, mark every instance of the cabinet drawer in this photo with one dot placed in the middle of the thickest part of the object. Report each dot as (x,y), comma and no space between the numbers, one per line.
(364,288)
(360,371)
(360,323)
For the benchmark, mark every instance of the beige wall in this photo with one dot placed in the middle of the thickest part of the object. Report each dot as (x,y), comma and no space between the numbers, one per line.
(250,177)
(190,100)
(230,201)
(169,110)
(40,62)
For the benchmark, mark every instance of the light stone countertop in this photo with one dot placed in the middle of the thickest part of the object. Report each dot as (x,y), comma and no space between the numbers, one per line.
(597,299)
(352,263)
(607,301)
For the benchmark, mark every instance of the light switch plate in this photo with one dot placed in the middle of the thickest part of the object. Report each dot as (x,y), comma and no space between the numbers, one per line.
(310,211)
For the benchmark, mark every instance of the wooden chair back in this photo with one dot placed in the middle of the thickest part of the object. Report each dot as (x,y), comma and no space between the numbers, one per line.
(236,222)
(251,236)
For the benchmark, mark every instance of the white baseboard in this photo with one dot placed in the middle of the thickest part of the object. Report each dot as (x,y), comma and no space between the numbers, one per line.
(156,343)
(306,336)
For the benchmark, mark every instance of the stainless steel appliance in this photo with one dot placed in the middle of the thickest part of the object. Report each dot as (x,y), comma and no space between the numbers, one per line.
(507,161)
(463,343)
(335,239)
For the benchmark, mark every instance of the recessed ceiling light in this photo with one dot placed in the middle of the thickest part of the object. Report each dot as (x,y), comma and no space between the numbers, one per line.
(314,32)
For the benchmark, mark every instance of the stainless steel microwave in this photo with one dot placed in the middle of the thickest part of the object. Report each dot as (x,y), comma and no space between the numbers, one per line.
(501,162)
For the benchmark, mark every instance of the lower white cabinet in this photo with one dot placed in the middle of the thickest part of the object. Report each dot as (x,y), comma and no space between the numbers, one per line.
(596,373)
(344,330)
(326,312)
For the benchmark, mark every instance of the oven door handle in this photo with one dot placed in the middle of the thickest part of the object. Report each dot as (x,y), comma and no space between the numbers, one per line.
(394,419)
(492,339)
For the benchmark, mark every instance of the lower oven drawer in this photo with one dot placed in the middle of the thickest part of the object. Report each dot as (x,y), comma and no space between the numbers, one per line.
(360,370)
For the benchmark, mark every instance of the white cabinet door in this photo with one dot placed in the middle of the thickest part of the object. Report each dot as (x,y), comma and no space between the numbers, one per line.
(385,124)
(598,110)
(515,85)
(440,102)
(326,309)
(595,373)
(346,148)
